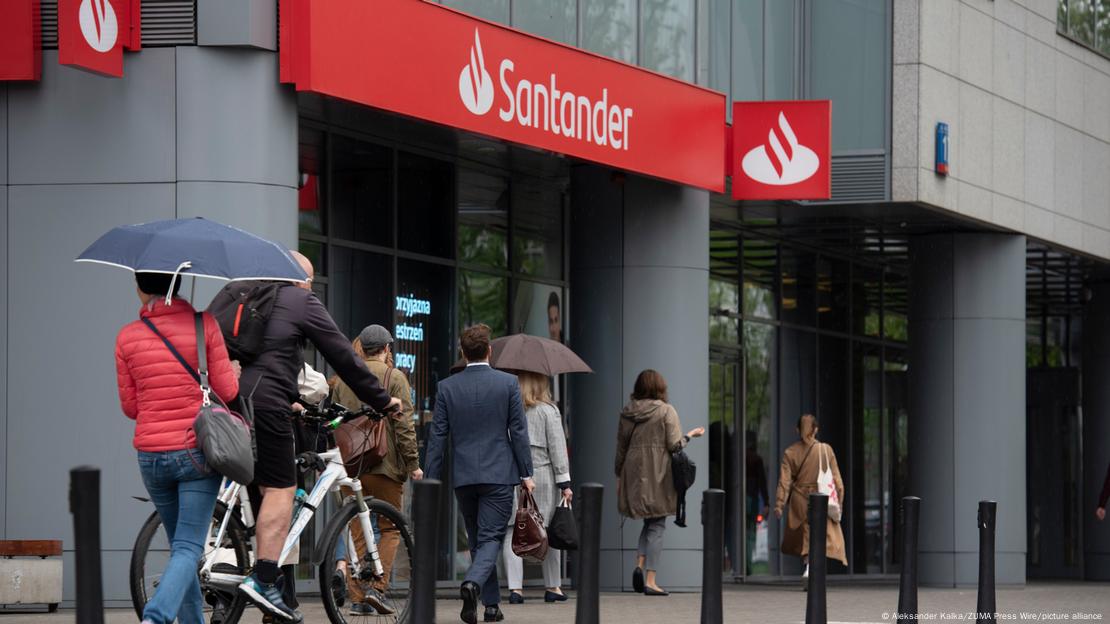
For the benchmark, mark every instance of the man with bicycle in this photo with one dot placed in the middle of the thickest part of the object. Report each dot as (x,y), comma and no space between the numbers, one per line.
(269,383)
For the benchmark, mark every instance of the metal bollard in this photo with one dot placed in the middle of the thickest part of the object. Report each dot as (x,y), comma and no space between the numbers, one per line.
(818,528)
(907,590)
(589,553)
(985,605)
(713,555)
(425,513)
(84,504)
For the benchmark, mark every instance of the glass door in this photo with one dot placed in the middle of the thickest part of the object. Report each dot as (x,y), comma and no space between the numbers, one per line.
(724,452)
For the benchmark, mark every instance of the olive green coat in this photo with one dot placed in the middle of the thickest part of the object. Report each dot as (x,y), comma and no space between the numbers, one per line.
(649,431)
(797,480)
(403,456)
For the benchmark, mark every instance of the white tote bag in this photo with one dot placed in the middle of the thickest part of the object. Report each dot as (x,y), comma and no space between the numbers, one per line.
(825,483)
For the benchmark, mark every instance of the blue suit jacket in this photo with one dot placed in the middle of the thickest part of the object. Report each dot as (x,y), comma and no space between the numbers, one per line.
(481,409)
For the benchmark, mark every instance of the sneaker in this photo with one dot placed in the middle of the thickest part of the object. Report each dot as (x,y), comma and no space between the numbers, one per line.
(375,599)
(359,608)
(339,588)
(268,598)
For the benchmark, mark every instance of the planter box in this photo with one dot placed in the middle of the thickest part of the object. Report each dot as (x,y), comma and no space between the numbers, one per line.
(31,573)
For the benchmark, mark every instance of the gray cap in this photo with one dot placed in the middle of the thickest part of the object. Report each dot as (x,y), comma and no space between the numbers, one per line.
(375,337)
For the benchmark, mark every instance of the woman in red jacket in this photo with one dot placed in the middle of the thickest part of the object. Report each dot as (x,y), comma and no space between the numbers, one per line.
(163,398)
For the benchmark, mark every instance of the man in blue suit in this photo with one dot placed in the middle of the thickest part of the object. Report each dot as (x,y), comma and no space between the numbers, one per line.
(482,411)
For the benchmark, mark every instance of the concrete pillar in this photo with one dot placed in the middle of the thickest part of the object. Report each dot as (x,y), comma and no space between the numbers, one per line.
(1096,430)
(967,401)
(640,280)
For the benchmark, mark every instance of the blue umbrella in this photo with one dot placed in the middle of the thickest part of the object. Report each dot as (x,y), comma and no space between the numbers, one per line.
(196,247)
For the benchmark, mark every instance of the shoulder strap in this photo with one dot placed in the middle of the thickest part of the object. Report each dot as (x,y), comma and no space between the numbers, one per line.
(202,354)
(173,350)
(806,457)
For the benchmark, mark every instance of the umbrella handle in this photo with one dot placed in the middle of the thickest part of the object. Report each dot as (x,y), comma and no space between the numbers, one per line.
(173,280)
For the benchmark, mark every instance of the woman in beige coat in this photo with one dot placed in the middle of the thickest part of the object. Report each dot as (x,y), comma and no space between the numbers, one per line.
(797,480)
(649,431)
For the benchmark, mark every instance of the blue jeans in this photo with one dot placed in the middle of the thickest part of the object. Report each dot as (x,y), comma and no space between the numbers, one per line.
(183,490)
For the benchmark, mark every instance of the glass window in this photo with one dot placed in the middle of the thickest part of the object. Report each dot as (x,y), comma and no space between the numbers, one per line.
(866,301)
(1034,351)
(609,28)
(866,472)
(760,278)
(1102,33)
(314,251)
(724,309)
(799,380)
(483,219)
(483,298)
(832,294)
(779,65)
(538,310)
(1081,19)
(799,286)
(361,288)
(426,205)
(667,37)
(493,10)
(896,404)
(747,50)
(848,51)
(718,20)
(896,305)
(362,191)
(310,198)
(760,415)
(538,228)
(554,19)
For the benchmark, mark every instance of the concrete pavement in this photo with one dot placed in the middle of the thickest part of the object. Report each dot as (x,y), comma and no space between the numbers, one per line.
(744,604)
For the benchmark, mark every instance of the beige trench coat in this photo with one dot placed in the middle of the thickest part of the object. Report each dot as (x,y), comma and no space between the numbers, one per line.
(649,431)
(796,483)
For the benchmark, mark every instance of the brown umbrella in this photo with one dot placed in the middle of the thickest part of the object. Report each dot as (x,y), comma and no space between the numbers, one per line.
(522,352)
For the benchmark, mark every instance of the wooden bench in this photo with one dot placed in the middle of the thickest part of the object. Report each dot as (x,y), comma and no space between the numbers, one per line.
(31,573)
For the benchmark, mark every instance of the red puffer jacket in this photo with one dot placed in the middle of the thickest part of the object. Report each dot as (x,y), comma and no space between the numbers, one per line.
(154,388)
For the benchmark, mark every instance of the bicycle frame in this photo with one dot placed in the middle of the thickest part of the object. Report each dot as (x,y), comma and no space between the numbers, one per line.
(333,477)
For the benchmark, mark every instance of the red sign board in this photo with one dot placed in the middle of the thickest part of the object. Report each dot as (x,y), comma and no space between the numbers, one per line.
(433,63)
(780,150)
(93,33)
(21,41)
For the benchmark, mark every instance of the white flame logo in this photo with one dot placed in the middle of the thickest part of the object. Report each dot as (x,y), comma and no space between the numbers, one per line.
(475,85)
(98,24)
(786,162)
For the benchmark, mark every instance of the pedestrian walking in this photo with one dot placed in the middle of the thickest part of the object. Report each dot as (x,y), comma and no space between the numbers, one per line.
(481,412)
(801,463)
(386,480)
(161,394)
(648,432)
(551,469)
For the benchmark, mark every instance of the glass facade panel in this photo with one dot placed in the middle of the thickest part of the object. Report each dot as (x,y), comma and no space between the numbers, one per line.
(747,50)
(554,19)
(760,266)
(609,28)
(779,69)
(866,301)
(483,298)
(362,192)
(493,10)
(1081,19)
(361,287)
(867,473)
(426,205)
(760,460)
(310,199)
(799,286)
(832,294)
(667,37)
(718,51)
(537,228)
(848,50)
(1102,27)
(896,404)
(724,306)
(483,219)
(538,310)
(723,446)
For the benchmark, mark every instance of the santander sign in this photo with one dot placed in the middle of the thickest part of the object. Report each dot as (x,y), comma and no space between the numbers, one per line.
(781,150)
(433,63)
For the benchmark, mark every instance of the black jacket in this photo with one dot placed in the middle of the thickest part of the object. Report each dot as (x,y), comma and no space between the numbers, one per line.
(298,317)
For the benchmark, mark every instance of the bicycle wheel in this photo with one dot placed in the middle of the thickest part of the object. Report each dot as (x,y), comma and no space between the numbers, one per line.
(151,553)
(397,591)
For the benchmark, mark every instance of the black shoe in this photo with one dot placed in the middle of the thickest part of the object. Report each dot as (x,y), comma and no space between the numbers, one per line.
(339,587)
(358,608)
(469,593)
(655,592)
(638,580)
(375,599)
(493,614)
(516,598)
(550,596)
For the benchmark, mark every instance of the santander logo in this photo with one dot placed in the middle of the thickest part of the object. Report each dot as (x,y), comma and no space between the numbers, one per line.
(98,24)
(781,161)
(475,85)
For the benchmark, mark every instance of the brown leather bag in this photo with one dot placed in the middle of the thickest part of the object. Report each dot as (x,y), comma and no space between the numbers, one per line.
(529,534)
(364,442)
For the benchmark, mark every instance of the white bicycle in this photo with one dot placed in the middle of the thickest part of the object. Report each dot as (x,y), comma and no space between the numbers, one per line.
(228,556)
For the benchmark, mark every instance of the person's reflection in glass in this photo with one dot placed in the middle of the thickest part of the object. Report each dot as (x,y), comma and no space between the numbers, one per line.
(554,318)
(755,491)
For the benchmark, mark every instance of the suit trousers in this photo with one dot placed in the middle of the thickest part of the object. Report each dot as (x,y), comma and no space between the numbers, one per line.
(486,510)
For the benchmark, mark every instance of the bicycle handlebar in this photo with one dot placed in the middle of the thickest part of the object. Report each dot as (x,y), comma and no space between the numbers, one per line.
(334,414)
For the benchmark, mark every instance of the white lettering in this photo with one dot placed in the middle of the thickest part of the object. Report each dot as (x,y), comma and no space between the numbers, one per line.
(568,117)
(627,116)
(524,96)
(616,124)
(554,105)
(598,127)
(506,114)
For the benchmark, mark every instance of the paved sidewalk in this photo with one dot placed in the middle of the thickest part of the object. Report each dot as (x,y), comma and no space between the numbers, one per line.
(745,604)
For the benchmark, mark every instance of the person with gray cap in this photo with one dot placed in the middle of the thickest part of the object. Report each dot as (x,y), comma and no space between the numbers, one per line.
(386,480)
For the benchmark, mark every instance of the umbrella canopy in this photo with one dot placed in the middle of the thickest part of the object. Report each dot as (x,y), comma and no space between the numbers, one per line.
(522,352)
(196,247)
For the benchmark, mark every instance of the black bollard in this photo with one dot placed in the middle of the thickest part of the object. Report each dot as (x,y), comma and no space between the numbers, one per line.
(985,606)
(589,553)
(907,590)
(84,504)
(712,555)
(425,515)
(818,525)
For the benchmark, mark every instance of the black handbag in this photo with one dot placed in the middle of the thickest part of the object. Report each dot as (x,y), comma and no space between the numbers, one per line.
(562,531)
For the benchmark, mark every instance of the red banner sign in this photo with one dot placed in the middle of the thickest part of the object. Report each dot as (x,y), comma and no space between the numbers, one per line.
(433,63)
(780,150)
(93,33)
(21,41)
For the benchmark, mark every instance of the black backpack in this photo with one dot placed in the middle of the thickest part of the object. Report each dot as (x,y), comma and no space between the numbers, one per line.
(242,309)
(683,470)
